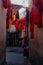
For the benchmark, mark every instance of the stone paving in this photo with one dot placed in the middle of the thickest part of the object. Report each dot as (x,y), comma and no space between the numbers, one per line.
(15,57)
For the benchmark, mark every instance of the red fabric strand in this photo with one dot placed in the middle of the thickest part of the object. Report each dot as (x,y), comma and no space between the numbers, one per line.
(6,3)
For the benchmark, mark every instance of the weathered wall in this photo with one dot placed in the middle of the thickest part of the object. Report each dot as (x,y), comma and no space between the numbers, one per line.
(36,46)
(2,31)
(38,40)
(41,38)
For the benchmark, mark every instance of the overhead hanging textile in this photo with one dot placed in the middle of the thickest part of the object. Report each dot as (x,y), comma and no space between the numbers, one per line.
(39,4)
(6,3)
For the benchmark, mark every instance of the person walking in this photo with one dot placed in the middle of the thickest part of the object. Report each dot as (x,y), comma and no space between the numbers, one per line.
(25,47)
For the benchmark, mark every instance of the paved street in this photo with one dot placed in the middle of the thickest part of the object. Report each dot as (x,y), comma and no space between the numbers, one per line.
(14,56)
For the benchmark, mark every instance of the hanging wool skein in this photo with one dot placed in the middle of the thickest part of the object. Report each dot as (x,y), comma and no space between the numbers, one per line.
(6,3)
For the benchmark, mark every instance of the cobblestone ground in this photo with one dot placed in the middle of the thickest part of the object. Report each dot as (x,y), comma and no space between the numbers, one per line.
(14,56)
